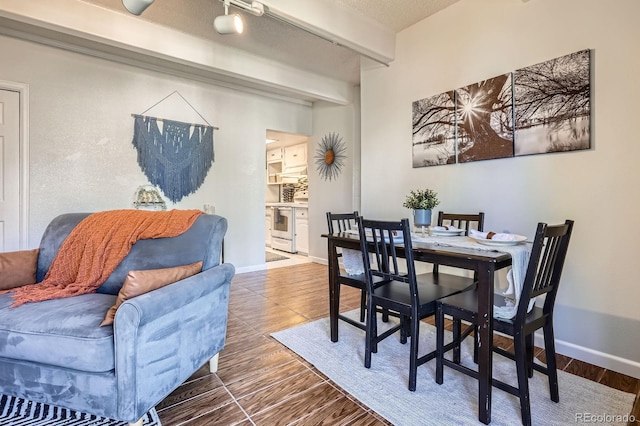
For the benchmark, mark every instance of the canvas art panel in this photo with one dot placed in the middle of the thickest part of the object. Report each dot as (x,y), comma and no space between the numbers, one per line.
(552,105)
(433,140)
(484,113)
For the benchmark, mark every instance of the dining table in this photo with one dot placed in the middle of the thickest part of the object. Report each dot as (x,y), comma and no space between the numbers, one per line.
(484,262)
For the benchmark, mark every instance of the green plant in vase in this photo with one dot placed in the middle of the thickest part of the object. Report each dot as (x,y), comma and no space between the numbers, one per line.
(421,201)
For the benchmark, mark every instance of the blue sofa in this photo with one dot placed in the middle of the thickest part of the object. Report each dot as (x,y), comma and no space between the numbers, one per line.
(55,351)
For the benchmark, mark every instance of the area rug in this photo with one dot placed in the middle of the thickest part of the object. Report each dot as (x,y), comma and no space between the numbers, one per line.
(271,257)
(383,387)
(17,411)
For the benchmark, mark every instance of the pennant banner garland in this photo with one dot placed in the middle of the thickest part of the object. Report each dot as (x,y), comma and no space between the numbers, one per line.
(177,158)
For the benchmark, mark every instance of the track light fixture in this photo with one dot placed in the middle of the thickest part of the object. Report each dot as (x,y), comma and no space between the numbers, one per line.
(136,7)
(229,24)
(232,24)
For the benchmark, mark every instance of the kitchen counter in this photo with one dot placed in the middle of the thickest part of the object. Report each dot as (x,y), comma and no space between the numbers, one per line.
(299,205)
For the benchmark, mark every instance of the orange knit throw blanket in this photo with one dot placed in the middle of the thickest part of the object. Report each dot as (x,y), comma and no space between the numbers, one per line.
(96,246)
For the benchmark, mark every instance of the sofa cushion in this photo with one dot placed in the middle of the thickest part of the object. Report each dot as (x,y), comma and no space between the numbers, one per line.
(59,332)
(18,268)
(141,282)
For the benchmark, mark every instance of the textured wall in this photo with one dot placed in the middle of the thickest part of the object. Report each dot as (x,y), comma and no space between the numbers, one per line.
(82,159)
(471,41)
(339,195)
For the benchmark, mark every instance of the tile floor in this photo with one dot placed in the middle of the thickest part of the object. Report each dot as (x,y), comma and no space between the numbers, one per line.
(261,382)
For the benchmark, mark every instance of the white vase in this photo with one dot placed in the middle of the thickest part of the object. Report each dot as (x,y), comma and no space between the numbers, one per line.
(421,218)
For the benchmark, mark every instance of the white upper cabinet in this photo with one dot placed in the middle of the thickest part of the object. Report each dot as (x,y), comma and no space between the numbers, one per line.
(274,155)
(295,156)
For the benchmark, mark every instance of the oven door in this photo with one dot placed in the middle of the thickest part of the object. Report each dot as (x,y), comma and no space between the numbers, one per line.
(282,223)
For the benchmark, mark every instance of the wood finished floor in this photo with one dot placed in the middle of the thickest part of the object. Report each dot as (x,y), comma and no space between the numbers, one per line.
(261,382)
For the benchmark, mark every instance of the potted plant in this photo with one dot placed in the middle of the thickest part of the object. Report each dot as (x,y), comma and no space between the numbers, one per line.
(421,201)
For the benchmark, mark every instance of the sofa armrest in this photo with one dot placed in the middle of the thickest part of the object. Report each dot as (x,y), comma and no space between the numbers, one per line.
(164,336)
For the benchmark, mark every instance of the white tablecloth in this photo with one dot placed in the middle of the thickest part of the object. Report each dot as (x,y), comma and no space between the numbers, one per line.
(520,254)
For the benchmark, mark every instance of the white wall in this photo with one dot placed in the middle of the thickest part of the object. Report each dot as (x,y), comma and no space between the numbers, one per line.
(597,315)
(82,159)
(339,195)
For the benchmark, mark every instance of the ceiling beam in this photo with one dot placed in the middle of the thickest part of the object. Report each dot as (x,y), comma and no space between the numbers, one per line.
(337,24)
(86,28)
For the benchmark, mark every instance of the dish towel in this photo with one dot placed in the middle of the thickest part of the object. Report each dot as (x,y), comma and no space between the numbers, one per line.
(520,254)
(352,261)
(515,278)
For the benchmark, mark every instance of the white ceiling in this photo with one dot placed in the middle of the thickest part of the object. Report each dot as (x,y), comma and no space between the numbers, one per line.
(279,41)
(396,14)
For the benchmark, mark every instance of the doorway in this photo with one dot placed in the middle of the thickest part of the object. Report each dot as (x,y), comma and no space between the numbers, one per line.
(287,198)
(13,166)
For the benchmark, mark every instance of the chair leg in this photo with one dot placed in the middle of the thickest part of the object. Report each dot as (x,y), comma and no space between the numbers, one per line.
(385,315)
(439,344)
(528,341)
(457,329)
(413,357)
(371,332)
(523,381)
(363,304)
(475,345)
(404,332)
(550,352)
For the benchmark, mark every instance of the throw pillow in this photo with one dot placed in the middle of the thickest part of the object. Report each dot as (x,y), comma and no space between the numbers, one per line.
(140,282)
(18,268)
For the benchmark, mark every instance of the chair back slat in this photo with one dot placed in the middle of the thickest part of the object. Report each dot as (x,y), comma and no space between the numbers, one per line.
(545,266)
(550,253)
(341,222)
(462,221)
(377,241)
(338,223)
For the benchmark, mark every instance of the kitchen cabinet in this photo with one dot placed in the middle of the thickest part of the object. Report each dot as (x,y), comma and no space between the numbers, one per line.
(268,222)
(274,173)
(274,166)
(274,155)
(295,156)
(302,230)
(281,161)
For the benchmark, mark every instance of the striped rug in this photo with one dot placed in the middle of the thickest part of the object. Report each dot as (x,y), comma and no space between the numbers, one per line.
(20,412)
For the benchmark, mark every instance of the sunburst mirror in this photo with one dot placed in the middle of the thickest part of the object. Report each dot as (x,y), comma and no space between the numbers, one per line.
(329,156)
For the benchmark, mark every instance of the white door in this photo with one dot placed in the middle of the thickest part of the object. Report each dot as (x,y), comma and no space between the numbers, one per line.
(9,170)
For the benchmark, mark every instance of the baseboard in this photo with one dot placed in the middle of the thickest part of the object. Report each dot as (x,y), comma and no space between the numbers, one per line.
(591,356)
(319,260)
(251,268)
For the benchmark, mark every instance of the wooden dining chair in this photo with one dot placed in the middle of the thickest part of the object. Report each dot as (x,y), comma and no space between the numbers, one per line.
(464,221)
(542,278)
(461,221)
(338,223)
(392,286)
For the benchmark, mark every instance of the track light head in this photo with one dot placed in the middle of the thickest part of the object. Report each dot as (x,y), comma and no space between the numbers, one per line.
(228,24)
(136,7)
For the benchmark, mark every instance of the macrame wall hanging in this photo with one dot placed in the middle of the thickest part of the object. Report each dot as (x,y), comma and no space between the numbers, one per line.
(175,156)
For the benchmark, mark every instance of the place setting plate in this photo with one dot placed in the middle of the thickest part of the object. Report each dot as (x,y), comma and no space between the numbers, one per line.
(446,232)
(517,240)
